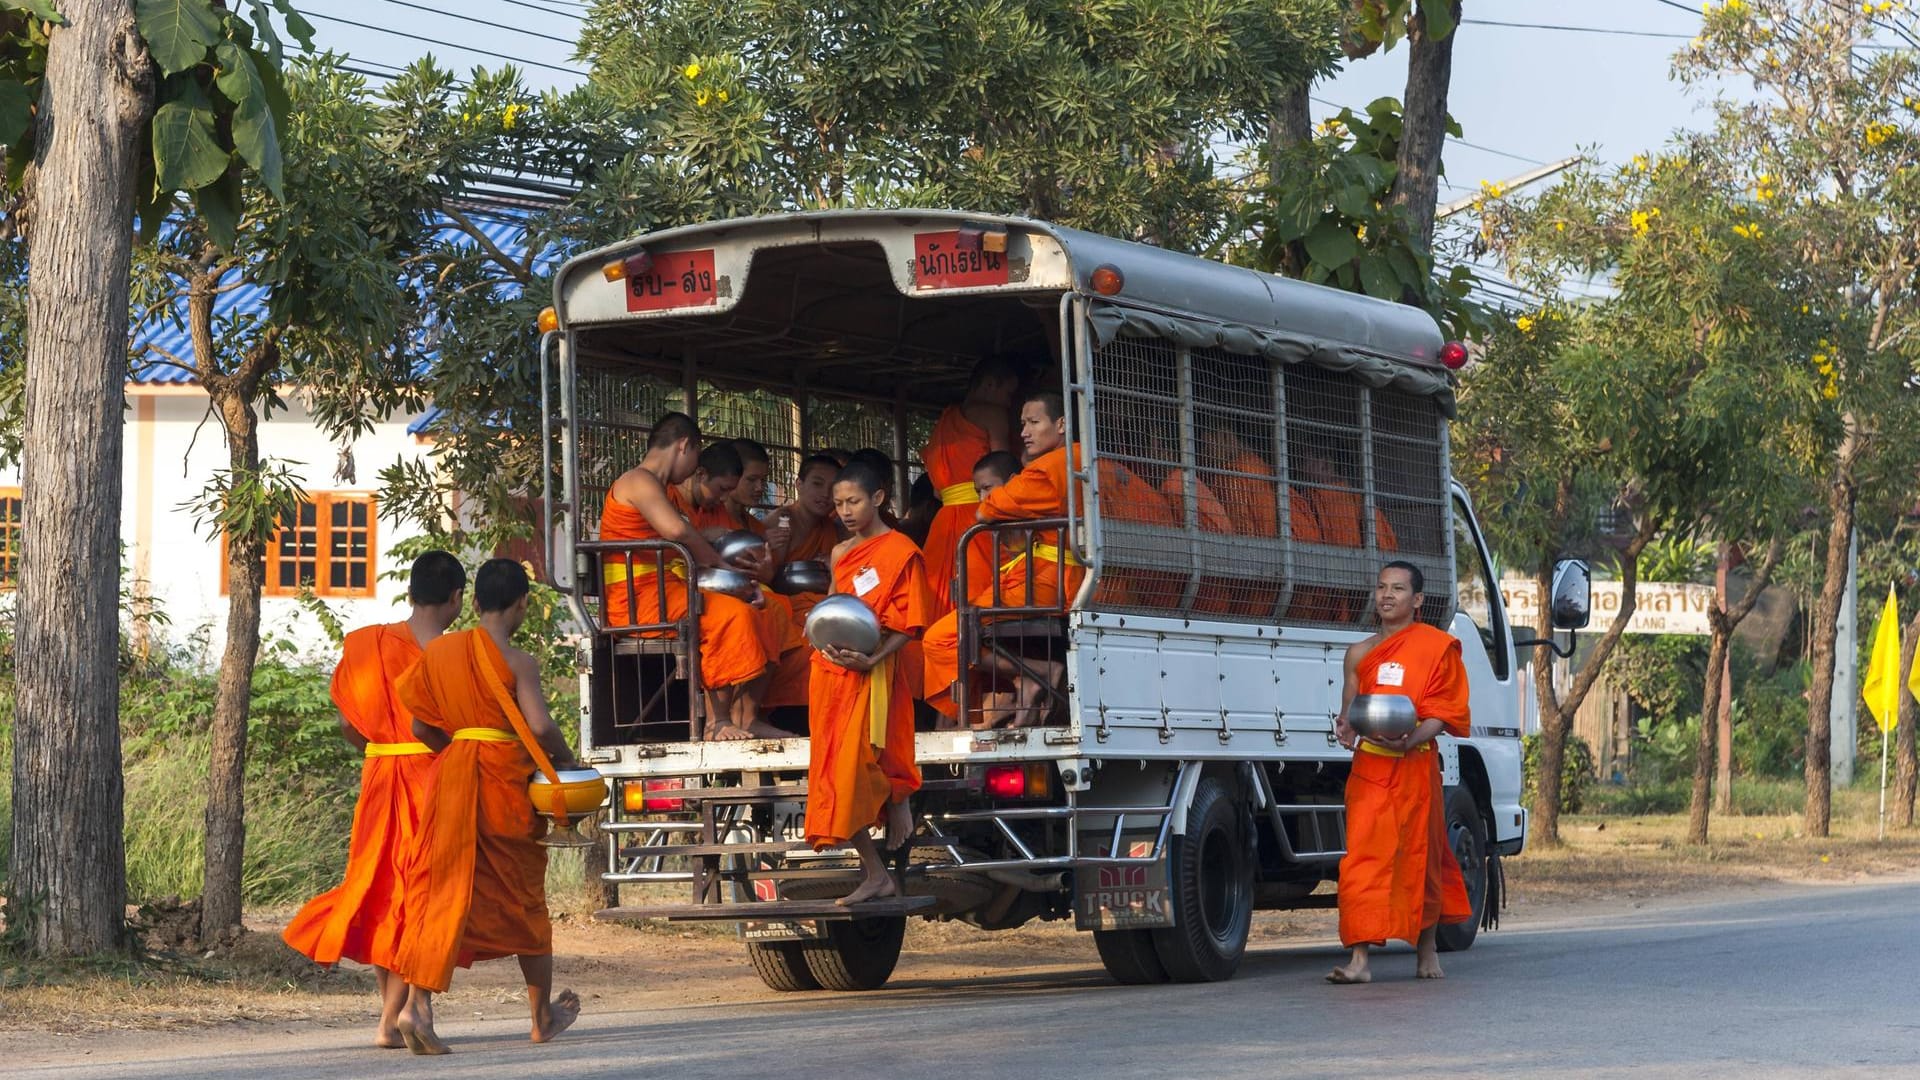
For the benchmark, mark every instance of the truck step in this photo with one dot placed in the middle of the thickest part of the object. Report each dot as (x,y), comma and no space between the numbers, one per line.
(648,851)
(774,909)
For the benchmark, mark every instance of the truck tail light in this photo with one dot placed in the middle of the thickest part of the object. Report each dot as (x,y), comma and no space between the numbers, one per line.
(1032,781)
(549,320)
(1453,355)
(646,795)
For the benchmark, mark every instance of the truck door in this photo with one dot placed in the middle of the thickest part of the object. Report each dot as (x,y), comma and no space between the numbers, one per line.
(1486,645)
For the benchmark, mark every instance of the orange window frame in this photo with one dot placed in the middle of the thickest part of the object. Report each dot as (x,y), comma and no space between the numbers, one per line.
(332,548)
(11,505)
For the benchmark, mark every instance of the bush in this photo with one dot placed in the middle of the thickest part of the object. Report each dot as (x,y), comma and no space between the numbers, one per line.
(1770,725)
(1576,773)
(1664,752)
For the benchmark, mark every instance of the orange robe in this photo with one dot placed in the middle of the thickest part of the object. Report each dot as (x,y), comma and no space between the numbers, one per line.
(794,666)
(476,886)
(361,919)
(1398,876)
(1337,512)
(773,619)
(732,649)
(861,754)
(956,445)
(1211,515)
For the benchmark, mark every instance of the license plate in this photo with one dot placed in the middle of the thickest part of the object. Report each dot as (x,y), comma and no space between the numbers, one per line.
(677,279)
(940,263)
(1122,897)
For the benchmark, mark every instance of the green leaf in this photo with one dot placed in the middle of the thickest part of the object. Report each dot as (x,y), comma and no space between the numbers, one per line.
(1354,200)
(219,206)
(253,128)
(186,155)
(16,112)
(178,32)
(263,25)
(1331,245)
(41,9)
(297,25)
(1378,279)
(277,100)
(1439,15)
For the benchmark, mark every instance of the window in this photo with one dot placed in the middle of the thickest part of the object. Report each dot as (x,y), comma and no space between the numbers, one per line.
(1477,586)
(9,538)
(328,547)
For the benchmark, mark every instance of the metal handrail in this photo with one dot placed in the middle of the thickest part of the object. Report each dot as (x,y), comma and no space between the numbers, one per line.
(970,614)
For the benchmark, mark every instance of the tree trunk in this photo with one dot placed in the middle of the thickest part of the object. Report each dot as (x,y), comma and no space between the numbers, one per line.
(1704,755)
(1825,632)
(1416,186)
(1723,709)
(1905,771)
(1290,124)
(226,819)
(66,881)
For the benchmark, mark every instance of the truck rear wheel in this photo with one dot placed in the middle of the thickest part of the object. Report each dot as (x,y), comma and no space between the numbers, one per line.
(782,965)
(1210,885)
(856,954)
(1467,836)
(1130,957)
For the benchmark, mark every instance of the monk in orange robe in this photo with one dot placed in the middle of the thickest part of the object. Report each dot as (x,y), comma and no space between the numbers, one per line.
(733,655)
(476,885)
(361,919)
(812,533)
(977,426)
(860,768)
(1039,491)
(1394,885)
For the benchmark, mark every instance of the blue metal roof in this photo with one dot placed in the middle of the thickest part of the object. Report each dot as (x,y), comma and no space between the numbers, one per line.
(504,229)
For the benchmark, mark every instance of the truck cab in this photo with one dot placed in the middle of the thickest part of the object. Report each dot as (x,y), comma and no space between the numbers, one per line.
(1182,770)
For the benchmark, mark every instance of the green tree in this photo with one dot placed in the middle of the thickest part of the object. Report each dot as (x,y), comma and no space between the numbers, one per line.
(1828,133)
(107,109)
(330,247)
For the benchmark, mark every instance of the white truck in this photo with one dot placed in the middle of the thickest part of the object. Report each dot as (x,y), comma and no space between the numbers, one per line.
(1186,773)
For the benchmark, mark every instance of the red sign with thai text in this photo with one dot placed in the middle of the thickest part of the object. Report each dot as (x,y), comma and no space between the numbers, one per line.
(677,279)
(939,262)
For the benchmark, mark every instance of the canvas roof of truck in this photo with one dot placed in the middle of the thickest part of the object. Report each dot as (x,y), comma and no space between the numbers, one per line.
(1155,278)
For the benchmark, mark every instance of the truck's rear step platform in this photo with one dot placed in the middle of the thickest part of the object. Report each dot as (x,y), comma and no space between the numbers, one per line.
(771,909)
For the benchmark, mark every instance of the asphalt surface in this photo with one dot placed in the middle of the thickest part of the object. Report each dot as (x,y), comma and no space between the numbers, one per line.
(1788,982)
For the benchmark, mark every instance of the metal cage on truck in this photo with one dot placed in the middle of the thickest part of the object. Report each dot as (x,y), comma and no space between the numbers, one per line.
(1202,665)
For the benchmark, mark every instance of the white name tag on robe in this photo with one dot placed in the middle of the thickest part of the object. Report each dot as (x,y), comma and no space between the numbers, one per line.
(866,581)
(1391,674)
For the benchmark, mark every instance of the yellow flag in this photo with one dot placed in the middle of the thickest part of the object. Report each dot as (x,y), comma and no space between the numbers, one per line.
(1882,688)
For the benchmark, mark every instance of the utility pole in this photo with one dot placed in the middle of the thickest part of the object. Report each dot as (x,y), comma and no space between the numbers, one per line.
(1845,732)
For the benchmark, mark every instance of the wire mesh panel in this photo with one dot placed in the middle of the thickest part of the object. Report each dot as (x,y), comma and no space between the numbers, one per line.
(769,418)
(617,410)
(1232,488)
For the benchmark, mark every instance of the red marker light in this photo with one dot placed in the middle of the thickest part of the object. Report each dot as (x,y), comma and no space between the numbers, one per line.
(657,801)
(1006,781)
(1454,355)
(1107,281)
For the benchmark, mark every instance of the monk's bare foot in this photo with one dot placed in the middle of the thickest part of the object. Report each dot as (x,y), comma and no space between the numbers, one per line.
(760,729)
(727,733)
(389,1038)
(899,825)
(1428,967)
(561,1014)
(419,1035)
(871,888)
(1349,976)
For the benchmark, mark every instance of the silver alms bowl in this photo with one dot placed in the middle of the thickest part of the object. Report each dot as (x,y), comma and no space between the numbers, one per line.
(1382,716)
(738,543)
(803,576)
(845,622)
(726,582)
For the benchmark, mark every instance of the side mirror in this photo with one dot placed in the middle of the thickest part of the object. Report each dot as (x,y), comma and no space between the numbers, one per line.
(1572,595)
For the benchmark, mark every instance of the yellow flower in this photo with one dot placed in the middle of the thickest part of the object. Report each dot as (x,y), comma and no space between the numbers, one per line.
(1559,226)
(1639,163)
(1524,323)
(1751,232)
(700,99)
(1642,220)
(511,116)
(722,95)
(1879,133)
(1764,187)
(691,71)
(1735,6)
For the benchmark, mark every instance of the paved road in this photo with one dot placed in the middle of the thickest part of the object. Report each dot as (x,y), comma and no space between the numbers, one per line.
(1790,982)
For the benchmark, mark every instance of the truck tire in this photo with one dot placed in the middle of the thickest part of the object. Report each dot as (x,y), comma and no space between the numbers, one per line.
(782,965)
(1467,835)
(1210,885)
(856,954)
(1130,957)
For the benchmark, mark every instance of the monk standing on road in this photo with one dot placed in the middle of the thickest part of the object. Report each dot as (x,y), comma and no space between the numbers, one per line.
(361,919)
(476,886)
(861,771)
(733,658)
(979,425)
(1397,882)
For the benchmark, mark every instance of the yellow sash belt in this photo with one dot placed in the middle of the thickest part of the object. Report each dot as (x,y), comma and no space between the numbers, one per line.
(397,749)
(1376,748)
(959,494)
(614,573)
(1042,553)
(879,701)
(484,734)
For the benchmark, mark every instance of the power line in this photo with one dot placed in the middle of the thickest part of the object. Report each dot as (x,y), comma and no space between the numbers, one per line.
(482,22)
(1577,29)
(545,10)
(1450,138)
(1676,5)
(448,44)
